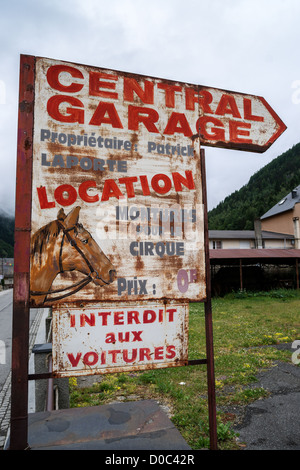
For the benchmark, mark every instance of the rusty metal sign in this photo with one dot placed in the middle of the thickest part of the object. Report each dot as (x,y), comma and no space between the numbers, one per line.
(117,210)
(112,338)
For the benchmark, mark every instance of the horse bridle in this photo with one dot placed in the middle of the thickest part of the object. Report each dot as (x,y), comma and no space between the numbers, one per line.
(80,284)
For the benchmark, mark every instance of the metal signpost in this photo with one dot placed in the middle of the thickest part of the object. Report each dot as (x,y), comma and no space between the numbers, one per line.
(111,217)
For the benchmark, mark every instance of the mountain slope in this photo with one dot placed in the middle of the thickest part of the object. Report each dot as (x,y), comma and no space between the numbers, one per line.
(264,189)
(6,236)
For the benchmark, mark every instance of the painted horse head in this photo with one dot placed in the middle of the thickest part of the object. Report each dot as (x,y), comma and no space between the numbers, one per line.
(65,245)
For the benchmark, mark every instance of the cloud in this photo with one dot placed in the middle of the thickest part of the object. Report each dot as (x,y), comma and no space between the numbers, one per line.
(241,45)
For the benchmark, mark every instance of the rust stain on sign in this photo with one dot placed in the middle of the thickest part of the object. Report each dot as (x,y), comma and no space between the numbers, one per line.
(97,339)
(117,208)
(117,212)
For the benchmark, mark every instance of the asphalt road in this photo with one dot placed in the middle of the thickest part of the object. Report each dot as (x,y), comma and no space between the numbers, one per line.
(6,299)
(273,423)
(6,315)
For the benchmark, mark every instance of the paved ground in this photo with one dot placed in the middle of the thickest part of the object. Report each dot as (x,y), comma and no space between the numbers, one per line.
(273,423)
(5,390)
(130,426)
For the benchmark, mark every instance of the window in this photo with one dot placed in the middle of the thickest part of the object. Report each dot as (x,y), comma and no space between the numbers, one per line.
(244,244)
(217,244)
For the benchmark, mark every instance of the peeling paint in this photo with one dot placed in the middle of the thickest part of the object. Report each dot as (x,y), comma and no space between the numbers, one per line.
(77,164)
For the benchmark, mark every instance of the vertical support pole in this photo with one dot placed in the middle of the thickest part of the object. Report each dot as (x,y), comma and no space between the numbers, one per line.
(20,327)
(210,377)
(208,321)
(241,275)
(297,273)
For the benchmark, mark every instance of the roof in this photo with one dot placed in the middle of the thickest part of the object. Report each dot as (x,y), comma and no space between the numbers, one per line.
(245,234)
(285,204)
(254,254)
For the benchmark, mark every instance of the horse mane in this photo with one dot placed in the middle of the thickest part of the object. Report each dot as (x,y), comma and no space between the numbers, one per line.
(41,239)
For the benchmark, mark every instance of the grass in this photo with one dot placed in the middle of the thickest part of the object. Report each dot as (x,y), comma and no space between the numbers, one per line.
(243,323)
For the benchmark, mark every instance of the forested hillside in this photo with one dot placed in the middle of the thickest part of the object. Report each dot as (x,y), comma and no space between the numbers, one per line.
(6,236)
(264,189)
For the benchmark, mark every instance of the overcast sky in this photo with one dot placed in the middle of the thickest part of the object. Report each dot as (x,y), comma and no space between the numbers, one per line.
(249,46)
